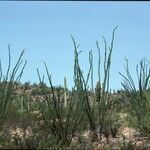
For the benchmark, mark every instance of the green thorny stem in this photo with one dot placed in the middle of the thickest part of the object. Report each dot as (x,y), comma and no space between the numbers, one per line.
(62,120)
(105,85)
(103,93)
(9,84)
(139,96)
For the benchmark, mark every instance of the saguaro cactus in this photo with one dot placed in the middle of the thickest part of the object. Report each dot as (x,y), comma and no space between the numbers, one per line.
(65,92)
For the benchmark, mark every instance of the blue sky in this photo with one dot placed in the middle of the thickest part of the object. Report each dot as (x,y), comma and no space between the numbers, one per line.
(44,30)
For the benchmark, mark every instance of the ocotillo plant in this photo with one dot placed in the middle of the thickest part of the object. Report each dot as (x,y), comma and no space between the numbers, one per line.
(81,85)
(103,105)
(139,97)
(8,84)
(62,120)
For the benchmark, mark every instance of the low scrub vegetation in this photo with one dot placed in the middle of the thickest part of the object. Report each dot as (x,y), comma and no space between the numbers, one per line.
(42,116)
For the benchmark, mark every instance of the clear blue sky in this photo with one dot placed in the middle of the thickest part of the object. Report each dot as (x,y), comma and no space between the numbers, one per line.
(44,29)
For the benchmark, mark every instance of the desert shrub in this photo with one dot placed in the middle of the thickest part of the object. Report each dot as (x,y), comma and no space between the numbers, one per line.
(26,85)
(23,127)
(38,90)
(62,120)
(126,145)
(98,110)
(8,85)
(138,97)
